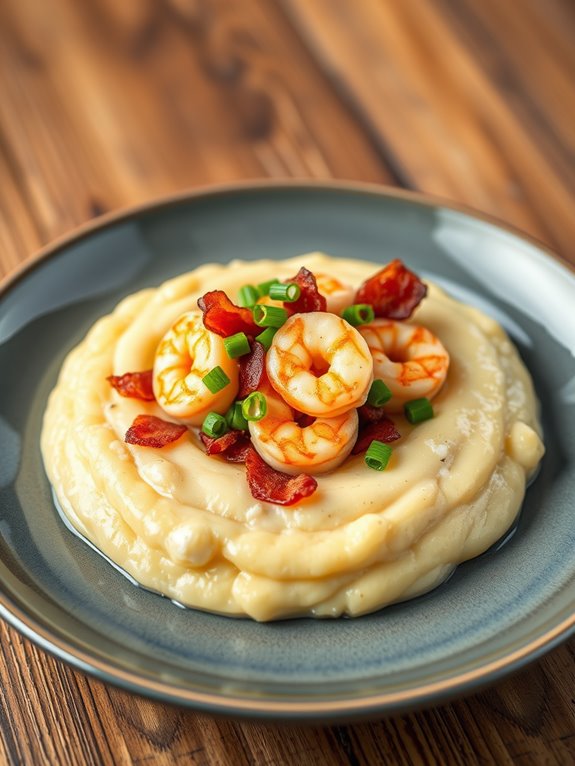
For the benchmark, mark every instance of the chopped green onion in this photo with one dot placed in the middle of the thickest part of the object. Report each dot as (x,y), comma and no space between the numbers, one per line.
(269,316)
(235,419)
(264,287)
(254,406)
(379,394)
(418,410)
(266,337)
(248,296)
(377,455)
(358,313)
(214,425)
(237,345)
(288,293)
(215,380)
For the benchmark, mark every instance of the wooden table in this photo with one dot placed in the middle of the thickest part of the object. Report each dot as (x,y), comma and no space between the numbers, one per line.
(105,104)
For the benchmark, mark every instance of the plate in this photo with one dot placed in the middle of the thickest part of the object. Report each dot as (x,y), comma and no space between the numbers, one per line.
(496,613)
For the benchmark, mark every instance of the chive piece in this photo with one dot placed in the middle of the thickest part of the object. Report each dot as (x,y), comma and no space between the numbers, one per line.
(214,425)
(254,406)
(418,410)
(358,313)
(248,296)
(377,455)
(237,345)
(288,293)
(379,394)
(215,380)
(235,419)
(269,316)
(266,337)
(264,287)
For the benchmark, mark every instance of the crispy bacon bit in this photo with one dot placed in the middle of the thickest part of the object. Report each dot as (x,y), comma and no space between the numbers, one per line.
(370,414)
(272,486)
(232,446)
(382,430)
(136,385)
(252,368)
(310,298)
(225,318)
(150,431)
(394,292)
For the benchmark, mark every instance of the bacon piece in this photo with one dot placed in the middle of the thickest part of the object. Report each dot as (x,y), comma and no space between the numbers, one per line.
(136,385)
(382,430)
(225,318)
(272,486)
(232,446)
(370,414)
(394,292)
(252,368)
(310,298)
(150,431)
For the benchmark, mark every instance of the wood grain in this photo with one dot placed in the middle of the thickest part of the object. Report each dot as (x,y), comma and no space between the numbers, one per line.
(106,104)
(466,97)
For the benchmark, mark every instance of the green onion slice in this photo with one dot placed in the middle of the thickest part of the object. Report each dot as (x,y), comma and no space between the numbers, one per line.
(266,337)
(288,293)
(377,455)
(254,406)
(215,380)
(264,287)
(214,425)
(235,419)
(237,345)
(418,410)
(358,313)
(248,296)
(379,394)
(269,316)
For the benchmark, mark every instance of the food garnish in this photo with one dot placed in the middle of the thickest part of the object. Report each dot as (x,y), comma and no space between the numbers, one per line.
(272,486)
(134,385)
(225,318)
(310,298)
(350,412)
(377,455)
(252,368)
(394,292)
(216,380)
(151,431)
(418,410)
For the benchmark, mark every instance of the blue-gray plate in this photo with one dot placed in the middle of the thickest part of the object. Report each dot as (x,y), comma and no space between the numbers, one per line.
(496,612)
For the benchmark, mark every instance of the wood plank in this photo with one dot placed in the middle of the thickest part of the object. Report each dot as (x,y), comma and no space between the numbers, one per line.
(447,111)
(106,104)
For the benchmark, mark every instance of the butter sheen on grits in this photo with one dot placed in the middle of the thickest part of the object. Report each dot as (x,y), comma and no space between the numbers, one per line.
(185,524)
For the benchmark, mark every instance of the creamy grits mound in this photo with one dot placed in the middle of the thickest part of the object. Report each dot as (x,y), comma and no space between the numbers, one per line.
(185,524)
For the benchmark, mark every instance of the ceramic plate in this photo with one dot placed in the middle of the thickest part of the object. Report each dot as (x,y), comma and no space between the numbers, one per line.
(495,613)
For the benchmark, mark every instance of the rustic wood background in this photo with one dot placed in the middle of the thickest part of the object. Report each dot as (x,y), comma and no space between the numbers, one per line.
(107,103)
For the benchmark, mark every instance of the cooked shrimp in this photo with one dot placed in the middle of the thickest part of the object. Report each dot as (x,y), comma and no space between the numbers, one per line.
(291,448)
(409,359)
(337,294)
(319,364)
(185,354)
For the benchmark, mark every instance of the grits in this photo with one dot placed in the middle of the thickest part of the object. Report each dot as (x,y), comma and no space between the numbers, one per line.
(186,525)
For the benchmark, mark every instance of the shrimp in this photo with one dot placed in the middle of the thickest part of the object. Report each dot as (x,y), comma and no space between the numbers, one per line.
(337,294)
(291,448)
(186,353)
(409,359)
(319,364)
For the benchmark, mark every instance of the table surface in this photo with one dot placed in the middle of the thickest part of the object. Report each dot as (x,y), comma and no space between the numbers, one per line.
(105,104)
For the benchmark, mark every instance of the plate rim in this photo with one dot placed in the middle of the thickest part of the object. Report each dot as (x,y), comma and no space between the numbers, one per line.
(265,708)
